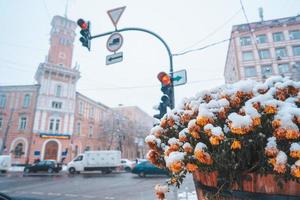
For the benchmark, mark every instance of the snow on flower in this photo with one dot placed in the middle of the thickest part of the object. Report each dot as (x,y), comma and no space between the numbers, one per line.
(174,157)
(150,138)
(295,147)
(217,131)
(281,158)
(239,121)
(200,146)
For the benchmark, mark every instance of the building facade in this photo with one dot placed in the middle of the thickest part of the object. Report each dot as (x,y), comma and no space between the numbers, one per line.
(261,49)
(50,120)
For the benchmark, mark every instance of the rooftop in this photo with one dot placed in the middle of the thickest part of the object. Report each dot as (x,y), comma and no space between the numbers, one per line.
(269,23)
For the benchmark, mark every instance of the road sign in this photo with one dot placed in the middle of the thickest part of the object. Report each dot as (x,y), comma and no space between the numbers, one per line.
(115,14)
(114,42)
(114,58)
(179,77)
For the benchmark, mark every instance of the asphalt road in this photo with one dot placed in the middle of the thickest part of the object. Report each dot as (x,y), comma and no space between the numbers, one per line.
(115,186)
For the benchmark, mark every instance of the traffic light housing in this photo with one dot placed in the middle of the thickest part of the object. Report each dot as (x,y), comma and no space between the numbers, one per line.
(167,97)
(85,33)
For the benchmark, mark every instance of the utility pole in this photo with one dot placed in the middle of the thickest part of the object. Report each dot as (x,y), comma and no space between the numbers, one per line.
(3,146)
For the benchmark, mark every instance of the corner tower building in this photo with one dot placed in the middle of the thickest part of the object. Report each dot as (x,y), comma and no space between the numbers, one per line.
(54,115)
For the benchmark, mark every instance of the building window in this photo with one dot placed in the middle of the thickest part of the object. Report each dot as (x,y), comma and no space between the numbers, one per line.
(245,41)
(91,112)
(51,125)
(294,35)
(283,68)
(91,131)
(22,123)
(56,105)
(18,151)
(247,55)
(2,101)
(57,125)
(1,122)
(297,66)
(280,52)
(261,39)
(250,71)
(266,70)
(296,50)
(78,130)
(58,90)
(277,37)
(80,107)
(26,101)
(264,54)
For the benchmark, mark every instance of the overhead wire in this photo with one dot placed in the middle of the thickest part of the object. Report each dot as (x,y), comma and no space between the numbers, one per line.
(212,32)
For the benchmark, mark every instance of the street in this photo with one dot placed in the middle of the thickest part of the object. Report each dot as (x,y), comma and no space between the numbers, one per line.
(115,186)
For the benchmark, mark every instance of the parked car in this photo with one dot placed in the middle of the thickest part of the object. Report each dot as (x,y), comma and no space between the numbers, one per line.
(5,163)
(145,168)
(104,161)
(127,165)
(49,166)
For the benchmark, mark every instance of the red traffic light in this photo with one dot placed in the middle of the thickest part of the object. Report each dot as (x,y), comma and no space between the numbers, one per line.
(82,24)
(164,78)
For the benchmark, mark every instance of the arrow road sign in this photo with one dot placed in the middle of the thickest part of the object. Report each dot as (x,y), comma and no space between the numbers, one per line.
(115,14)
(114,58)
(179,77)
(114,42)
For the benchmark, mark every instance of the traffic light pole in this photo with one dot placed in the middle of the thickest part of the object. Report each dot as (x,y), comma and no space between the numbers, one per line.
(158,37)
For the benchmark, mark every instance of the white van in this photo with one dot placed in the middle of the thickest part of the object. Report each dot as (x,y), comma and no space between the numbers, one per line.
(104,161)
(5,163)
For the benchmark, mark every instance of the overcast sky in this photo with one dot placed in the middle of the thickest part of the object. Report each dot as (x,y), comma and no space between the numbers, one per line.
(24,43)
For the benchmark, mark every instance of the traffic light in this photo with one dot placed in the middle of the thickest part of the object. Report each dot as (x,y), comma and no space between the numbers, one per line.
(167,89)
(85,33)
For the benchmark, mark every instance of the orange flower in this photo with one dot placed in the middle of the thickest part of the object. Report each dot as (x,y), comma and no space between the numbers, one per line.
(176,166)
(188,149)
(160,195)
(195,134)
(280,168)
(214,140)
(208,132)
(203,157)
(271,152)
(222,114)
(295,154)
(185,118)
(295,171)
(256,121)
(163,123)
(152,145)
(279,133)
(270,109)
(235,102)
(183,139)
(202,121)
(171,122)
(256,105)
(174,147)
(292,134)
(191,167)
(153,157)
(272,161)
(236,145)
(276,123)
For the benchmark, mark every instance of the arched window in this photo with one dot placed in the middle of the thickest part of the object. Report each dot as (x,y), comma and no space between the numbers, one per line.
(18,151)
(26,101)
(58,91)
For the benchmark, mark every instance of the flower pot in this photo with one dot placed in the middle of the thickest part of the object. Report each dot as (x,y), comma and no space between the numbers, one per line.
(259,187)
